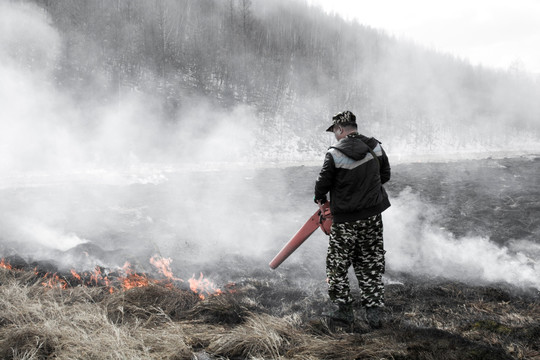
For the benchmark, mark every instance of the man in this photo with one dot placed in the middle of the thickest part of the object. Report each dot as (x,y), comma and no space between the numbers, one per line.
(353,172)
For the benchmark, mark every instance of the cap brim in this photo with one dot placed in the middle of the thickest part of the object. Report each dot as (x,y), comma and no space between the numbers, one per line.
(331,128)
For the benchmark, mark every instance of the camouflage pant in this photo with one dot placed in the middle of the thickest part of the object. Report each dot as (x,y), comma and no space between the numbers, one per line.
(360,244)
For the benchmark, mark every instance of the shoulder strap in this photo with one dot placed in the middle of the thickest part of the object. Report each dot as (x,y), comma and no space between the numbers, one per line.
(373,152)
(375,156)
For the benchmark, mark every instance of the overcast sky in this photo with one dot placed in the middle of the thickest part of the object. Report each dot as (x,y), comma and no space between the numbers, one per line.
(494,33)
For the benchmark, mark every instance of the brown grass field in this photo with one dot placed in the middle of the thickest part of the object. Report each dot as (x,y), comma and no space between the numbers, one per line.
(268,316)
(261,320)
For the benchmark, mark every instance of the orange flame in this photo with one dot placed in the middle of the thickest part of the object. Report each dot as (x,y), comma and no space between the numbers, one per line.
(54,281)
(5,265)
(75,275)
(132,280)
(203,287)
(163,266)
(95,277)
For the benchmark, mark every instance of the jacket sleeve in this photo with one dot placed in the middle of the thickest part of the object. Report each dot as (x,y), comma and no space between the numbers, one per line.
(325,178)
(384,167)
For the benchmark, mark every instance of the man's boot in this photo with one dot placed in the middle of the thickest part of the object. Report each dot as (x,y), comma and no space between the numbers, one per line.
(374,317)
(344,313)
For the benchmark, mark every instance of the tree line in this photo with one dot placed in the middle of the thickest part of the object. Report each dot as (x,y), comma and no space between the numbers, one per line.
(294,63)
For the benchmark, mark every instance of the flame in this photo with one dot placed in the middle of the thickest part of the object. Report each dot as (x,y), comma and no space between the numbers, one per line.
(96,276)
(132,279)
(5,264)
(98,279)
(75,275)
(203,287)
(163,266)
(54,281)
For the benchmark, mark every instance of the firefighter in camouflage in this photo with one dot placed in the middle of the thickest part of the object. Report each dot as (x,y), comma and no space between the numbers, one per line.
(353,172)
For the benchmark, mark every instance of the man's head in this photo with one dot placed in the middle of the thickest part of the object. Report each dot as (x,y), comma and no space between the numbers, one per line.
(343,124)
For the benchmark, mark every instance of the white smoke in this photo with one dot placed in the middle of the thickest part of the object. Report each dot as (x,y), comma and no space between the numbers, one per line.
(56,145)
(60,151)
(415,244)
(43,128)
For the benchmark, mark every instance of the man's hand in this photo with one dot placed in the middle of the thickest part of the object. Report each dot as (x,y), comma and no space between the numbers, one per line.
(320,201)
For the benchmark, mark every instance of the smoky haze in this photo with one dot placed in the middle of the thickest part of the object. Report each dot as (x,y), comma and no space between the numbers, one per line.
(78,171)
(145,167)
(417,244)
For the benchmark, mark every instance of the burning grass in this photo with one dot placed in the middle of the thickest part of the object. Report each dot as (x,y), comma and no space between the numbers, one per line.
(424,320)
(123,314)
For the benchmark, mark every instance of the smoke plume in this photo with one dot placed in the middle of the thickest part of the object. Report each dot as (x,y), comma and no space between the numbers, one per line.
(416,244)
(76,172)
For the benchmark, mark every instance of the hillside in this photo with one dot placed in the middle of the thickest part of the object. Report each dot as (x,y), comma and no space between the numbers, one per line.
(143,143)
(294,66)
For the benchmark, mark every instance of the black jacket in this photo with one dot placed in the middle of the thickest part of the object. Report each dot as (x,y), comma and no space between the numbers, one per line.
(354,178)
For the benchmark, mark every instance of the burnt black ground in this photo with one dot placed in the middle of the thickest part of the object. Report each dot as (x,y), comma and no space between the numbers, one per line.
(425,317)
(495,197)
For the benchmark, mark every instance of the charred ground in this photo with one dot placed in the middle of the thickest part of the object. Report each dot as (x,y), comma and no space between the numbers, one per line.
(265,319)
(269,315)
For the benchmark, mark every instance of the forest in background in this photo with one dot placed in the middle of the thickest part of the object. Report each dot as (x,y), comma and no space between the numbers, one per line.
(296,66)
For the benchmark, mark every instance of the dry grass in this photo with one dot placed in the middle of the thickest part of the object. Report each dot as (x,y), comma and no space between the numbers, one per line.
(424,321)
(224,309)
(261,335)
(152,304)
(39,323)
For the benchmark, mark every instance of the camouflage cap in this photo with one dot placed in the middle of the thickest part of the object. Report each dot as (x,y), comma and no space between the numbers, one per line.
(342,118)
